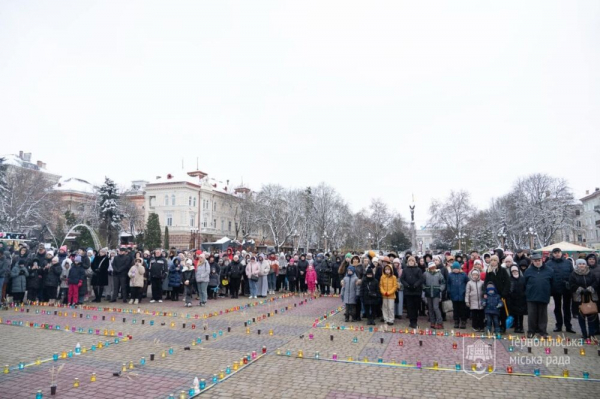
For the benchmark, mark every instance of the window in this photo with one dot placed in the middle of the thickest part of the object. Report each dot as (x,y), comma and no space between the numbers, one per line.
(214,223)
(152,201)
(579,223)
(204,223)
(222,224)
(229,226)
(577,213)
(236,226)
(194,201)
(166,200)
(172,199)
(580,238)
(169,219)
(215,206)
(567,238)
(190,201)
(192,219)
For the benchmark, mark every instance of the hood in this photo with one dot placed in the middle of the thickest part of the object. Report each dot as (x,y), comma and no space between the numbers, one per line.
(583,272)
(388,267)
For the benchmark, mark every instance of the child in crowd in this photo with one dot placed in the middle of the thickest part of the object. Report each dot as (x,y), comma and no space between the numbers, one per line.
(175,278)
(388,286)
(492,305)
(64,280)
(457,284)
(474,300)
(188,276)
(75,279)
(349,293)
(311,279)
(370,295)
(517,302)
(213,283)
(434,287)
(136,281)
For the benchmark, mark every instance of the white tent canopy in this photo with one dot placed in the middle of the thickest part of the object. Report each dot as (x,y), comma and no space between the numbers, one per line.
(565,247)
(222,240)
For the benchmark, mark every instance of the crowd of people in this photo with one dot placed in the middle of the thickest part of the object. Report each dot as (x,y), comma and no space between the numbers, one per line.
(485,288)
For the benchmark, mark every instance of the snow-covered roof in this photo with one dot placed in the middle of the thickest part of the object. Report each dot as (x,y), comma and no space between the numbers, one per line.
(206,182)
(73,184)
(175,178)
(23,162)
(222,240)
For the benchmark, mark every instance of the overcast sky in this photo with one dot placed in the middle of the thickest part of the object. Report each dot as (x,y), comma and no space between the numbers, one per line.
(378,99)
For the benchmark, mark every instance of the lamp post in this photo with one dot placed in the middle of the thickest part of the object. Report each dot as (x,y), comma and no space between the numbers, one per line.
(502,236)
(369,240)
(531,235)
(421,246)
(194,237)
(459,237)
(325,237)
(295,239)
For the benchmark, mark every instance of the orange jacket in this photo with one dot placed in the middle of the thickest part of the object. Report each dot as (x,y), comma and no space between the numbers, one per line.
(388,285)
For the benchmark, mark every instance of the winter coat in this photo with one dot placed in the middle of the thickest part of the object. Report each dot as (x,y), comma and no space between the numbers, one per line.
(311,278)
(76,274)
(292,272)
(121,265)
(457,286)
(388,285)
(302,266)
(41,258)
(213,279)
(252,269)
(64,275)
(265,268)
(175,274)
(474,294)
(100,268)
(188,274)
(538,283)
(35,276)
(595,270)
(584,286)
(516,300)
(283,262)
(412,281)
(52,275)
(203,272)
(159,267)
(19,276)
(492,304)
(323,272)
(501,280)
(434,284)
(350,289)
(136,275)
(517,259)
(370,292)
(562,272)
(236,270)
(5,265)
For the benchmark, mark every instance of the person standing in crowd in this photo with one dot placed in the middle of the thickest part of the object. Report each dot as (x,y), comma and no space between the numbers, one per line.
(282,272)
(388,285)
(412,280)
(158,271)
(272,276)
(434,287)
(468,265)
(175,278)
(474,300)
(4,273)
(292,275)
(399,301)
(203,278)
(311,280)
(19,274)
(64,280)
(517,302)
(323,271)
(100,278)
(187,276)
(335,277)
(370,296)
(136,280)
(34,281)
(349,292)
(75,279)
(252,271)
(86,265)
(121,265)
(499,277)
(521,256)
(457,286)
(492,304)
(51,279)
(560,293)
(236,270)
(213,282)
(539,281)
(584,288)
(264,269)
(302,266)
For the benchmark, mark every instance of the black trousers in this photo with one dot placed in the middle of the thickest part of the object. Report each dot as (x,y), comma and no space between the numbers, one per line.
(370,312)
(324,288)
(478,318)
(537,317)
(459,308)
(234,287)
(413,303)
(136,293)
(122,282)
(303,286)
(98,290)
(280,283)
(357,308)
(562,307)
(156,283)
(293,285)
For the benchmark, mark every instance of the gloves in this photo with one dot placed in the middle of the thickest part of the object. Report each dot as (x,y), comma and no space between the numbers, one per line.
(80,284)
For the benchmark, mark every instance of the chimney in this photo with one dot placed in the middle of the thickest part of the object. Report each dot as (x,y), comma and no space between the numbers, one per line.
(20,154)
(597,189)
(27,157)
(39,164)
(587,192)
(44,165)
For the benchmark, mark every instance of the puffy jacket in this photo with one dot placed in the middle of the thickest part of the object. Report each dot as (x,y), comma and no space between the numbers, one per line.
(100,268)
(52,275)
(350,290)
(584,286)
(492,304)
(323,271)
(370,291)
(121,265)
(159,267)
(388,285)
(474,294)
(538,283)
(19,276)
(292,272)
(265,268)
(595,270)
(412,280)
(203,272)
(562,272)
(5,265)
(500,278)
(76,274)
(213,278)
(517,301)
(434,284)
(188,274)
(457,286)
(136,275)
(252,269)
(236,270)
(175,274)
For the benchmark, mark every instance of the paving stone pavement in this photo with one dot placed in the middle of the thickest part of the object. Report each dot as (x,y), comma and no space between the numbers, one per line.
(271,376)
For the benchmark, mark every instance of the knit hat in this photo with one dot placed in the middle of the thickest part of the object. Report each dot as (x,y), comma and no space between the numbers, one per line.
(348,255)
(351,269)
(490,287)
(514,267)
(580,262)
(431,264)
(63,248)
(494,257)
(477,262)
(375,260)
(78,258)
(55,259)
(50,253)
(508,259)
(455,265)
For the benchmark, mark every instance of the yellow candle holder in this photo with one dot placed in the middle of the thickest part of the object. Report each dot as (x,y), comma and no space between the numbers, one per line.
(163,354)
(582,352)
(565,373)
(112,333)
(105,332)
(38,361)
(247,330)
(124,367)
(221,374)
(83,350)
(349,358)
(93,377)
(235,366)
(130,365)
(473,367)
(490,369)
(76,383)
(63,355)
(6,369)
(271,332)
(435,365)
(300,353)
(365,359)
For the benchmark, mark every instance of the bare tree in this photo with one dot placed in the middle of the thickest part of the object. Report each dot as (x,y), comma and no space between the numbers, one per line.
(278,211)
(453,213)
(380,219)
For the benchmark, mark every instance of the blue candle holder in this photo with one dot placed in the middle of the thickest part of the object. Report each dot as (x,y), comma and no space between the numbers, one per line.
(404,363)
(170,351)
(228,370)
(220,333)
(586,375)
(93,348)
(202,384)
(536,372)
(191,392)
(214,335)
(70,354)
(21,366)
(458,367)
(198,340)
(55,357)
(214,379)
(151,322)
(142,361)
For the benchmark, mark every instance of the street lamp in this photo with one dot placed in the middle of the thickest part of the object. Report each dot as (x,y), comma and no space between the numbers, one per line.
(502,236)
(369,240)
(531,234)
(194,236)
(459,237)
(325,237)
(295,239)
(421,246)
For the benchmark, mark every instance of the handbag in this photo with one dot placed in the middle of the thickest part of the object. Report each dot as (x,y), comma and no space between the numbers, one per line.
(588,308)
(447,306)
(89,272)
(254,277)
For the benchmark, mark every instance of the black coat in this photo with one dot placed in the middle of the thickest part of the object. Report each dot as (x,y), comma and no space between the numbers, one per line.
(52,275)
(292,272)
(100,269)
(517,302)
(323,272)
(236,270)
(500,279)
(121,265)
(412,280)
(370,291)
(562,272)
(584,281)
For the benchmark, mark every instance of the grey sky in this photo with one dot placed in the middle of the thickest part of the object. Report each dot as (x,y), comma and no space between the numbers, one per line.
(379,99)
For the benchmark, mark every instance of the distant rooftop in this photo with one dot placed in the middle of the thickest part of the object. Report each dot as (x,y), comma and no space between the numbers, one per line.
(23,160)
(201,179)
(75,185)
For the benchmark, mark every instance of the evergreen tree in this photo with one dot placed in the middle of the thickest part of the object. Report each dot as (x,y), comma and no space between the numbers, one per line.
(110,212)
(152,238)
(166,238)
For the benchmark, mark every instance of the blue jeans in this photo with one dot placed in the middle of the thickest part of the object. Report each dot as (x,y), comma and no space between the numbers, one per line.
(272,280)
(253,287)
(492,319)
(203,286)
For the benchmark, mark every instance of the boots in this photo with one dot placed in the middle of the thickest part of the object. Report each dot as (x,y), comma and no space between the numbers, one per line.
(463,324)
(456,324)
